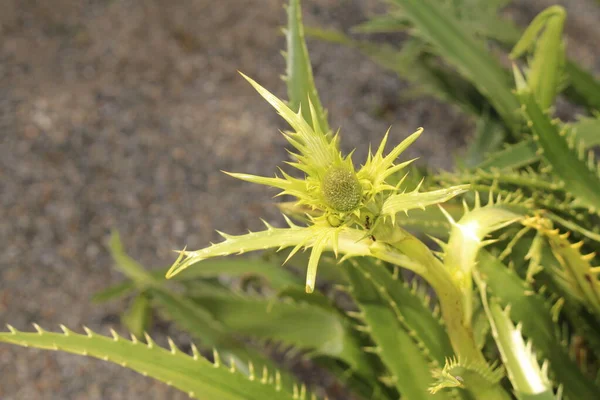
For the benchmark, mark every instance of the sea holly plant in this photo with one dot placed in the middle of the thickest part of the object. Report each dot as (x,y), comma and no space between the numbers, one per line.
(357,209)
(479,284)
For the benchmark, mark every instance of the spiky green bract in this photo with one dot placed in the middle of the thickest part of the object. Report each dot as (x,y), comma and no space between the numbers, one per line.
(317,149)
(519,360)
(194,375)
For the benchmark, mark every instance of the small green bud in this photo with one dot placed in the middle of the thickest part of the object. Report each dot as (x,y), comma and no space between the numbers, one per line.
(341,189)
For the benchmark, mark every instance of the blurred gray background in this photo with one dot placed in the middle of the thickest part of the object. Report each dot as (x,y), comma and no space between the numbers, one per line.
(121,113)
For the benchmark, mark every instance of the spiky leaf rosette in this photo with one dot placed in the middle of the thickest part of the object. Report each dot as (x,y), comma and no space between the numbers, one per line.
(346,205)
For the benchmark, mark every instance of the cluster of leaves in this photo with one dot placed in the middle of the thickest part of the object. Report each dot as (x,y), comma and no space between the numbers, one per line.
(507,306)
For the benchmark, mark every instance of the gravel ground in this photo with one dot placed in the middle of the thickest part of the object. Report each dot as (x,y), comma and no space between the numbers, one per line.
(121,113)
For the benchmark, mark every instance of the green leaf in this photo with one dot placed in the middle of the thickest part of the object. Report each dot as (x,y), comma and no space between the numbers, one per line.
(305,326)
(114,292)
(138,318)
(521,364)
(398,345)
(271,272)
(577,271)
(302,91)
(469,55)
(482,380)
(548,60)
(350,242)
(192,374)
(585,131)
(211,333)
(411,305)
(565,160)
(414,64)
(391,22)
(488,138)
(529,309)
(404,202)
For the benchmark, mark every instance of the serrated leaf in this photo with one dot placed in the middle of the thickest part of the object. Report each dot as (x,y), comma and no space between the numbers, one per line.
(519,360)
(457,45)
(408,363)
(576,267)
(529,309)
(302,91)
(211,333)
(481,379)
(405,202)
(307,327)
(566,164)
(350,242)
(193,375)
(410,310)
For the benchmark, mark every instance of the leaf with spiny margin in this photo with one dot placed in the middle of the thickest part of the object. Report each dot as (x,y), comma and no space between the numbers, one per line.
(480,379)
(530,310)
(350,242)
(581,277)
(211,332)
(585,130)
(195,375)
(404,202)
(410,309)
(187,315)
(138,318)
(524,372)
(305,326)
(547,65)
(404,356)
(318,151)
(302,91)
(469,55)
(566,163)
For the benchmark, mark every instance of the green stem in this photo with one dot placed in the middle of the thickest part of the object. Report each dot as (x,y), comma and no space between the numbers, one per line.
(409,252)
